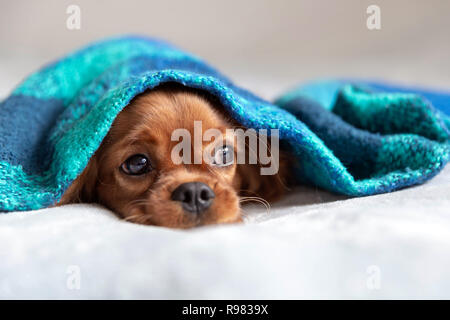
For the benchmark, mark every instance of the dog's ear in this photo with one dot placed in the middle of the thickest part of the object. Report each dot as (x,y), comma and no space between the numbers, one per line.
(250,182)
(83,188)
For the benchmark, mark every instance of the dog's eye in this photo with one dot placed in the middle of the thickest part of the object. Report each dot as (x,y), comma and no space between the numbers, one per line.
(136,165)
(224,156)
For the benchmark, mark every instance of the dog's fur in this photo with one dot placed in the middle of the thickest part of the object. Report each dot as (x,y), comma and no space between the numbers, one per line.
(145,127)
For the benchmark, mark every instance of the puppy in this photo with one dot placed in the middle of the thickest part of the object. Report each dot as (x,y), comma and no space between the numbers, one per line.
(133,172)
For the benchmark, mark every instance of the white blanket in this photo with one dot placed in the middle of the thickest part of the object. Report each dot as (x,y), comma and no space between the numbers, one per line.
(310,245)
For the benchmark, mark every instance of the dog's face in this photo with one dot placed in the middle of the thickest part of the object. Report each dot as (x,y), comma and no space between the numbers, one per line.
(134,172)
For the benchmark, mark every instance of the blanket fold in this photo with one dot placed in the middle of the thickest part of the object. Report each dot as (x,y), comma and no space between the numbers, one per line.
(351,137)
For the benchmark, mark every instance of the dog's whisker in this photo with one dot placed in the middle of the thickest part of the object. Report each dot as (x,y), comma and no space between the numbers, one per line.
(262,201)
(139,218)
(145,217)
(243,213)
(137,202)
(129,218)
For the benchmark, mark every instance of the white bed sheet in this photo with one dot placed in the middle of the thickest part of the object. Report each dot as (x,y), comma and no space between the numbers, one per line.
(310,245)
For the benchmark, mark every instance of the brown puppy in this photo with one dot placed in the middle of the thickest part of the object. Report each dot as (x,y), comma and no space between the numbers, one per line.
(133,172)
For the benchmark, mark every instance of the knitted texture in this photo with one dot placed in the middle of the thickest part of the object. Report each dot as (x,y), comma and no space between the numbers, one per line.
(349,137)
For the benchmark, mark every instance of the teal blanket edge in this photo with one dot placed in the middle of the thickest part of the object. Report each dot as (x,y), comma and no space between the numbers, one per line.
(348,136)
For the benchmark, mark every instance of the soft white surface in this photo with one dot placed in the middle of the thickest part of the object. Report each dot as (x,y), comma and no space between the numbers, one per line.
(311,245)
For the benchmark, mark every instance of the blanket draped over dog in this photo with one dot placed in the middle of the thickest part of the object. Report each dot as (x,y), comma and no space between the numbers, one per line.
(349,137)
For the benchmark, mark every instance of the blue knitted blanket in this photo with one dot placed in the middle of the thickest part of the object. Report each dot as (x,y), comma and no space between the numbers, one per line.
(350,137)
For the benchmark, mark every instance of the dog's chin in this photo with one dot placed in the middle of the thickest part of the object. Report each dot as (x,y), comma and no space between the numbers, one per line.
(168,214)
(184,220)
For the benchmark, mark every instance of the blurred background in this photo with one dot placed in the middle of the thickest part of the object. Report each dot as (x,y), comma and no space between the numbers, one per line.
(265,46)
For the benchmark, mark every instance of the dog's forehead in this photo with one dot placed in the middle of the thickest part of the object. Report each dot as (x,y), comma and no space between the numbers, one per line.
(167,113)
(156,120)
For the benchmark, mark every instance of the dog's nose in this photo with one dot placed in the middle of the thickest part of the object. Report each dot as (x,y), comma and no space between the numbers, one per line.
(195,197)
